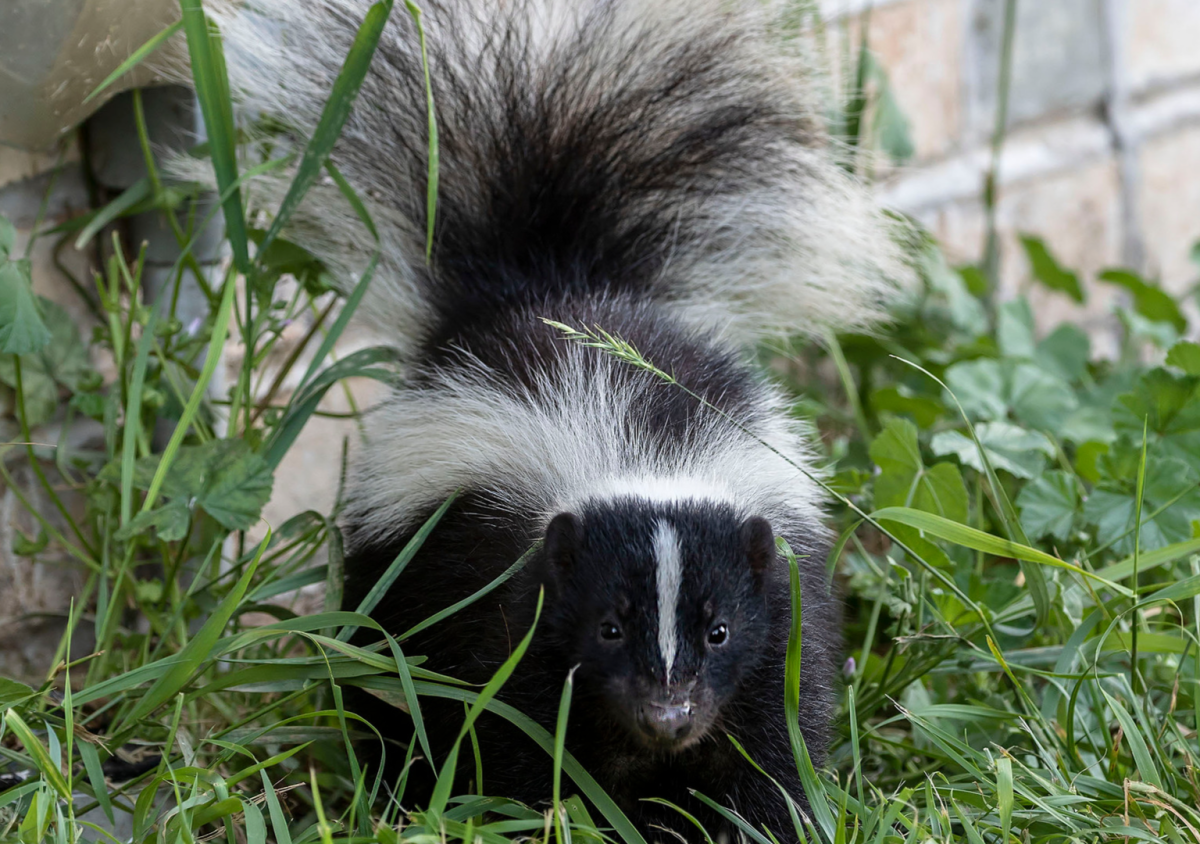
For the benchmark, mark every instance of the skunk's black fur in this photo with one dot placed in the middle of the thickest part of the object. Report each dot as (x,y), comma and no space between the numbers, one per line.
(747,678)
(611,573)
(654,168)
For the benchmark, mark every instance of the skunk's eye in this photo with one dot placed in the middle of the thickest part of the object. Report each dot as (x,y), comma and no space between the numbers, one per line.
(609,631)
(718,635)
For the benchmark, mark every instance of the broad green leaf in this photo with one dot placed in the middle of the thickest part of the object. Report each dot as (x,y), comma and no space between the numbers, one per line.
(170,522)
(1014,330)
(1048,271)
(62,362)
(41,392)
(1149,300)
(1065,352)
(950,297)
(1087,424)
(905,481)
(225,477)
(1170,405)
(1142,330)
(925,411)
(1017,451)
(989,389)
(980,386)
(1167,401)
(1186,356)
(1039,399)
(8,237)
(236,484)
(13,693)
(1169,481)
(22,330)
(1048,505)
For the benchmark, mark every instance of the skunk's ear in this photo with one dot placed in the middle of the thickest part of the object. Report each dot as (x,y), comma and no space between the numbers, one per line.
(758,543)
(564,536)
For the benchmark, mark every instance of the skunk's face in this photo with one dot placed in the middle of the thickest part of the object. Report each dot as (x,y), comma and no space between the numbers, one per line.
(662,607)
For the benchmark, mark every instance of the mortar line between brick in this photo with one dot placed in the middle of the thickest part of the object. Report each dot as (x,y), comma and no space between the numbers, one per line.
(1126,142)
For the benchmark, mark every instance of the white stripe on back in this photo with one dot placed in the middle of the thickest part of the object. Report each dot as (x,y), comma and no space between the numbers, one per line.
(669,562)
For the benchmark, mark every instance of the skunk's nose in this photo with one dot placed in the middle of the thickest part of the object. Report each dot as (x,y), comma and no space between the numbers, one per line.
(666,722)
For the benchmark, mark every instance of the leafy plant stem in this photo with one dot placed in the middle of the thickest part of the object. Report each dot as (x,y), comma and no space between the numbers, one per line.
(36,464)
(991,252)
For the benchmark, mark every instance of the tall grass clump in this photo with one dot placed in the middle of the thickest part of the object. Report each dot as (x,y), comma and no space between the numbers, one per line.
(1018,552)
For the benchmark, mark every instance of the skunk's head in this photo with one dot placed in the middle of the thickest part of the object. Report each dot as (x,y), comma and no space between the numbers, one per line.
(664,608)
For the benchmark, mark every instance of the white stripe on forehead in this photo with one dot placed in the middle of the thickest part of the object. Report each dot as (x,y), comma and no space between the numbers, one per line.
(668,558)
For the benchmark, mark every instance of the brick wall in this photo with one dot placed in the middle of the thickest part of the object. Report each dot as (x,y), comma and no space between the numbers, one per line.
(1102,156)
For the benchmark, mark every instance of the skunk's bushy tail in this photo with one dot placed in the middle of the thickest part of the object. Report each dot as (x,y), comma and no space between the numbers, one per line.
(665,148)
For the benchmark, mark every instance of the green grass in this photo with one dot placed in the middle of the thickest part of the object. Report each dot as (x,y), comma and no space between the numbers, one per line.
(1019,553)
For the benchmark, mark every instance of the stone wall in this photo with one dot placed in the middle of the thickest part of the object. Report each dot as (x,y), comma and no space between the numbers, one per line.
(1102,155)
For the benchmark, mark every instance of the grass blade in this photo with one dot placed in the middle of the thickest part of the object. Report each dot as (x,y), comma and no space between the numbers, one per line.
(586,783)
(91,764)
(198,650)
(212,90)
(137,57)
(139,192)
(333,117)
(133,417)
(1137,742)
(473,597)
(441,791)
(563,832)
(431,190)
(41,756)
(791,703)
(279,824)
(970,537)
(220,329)
(1135,676)
(1004,796)
(381,587)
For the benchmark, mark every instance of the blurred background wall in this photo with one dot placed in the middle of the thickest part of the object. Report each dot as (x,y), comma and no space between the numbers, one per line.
(1102,153)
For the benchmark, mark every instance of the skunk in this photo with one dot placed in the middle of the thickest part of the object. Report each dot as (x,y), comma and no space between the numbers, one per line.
(657,170)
